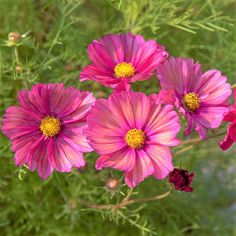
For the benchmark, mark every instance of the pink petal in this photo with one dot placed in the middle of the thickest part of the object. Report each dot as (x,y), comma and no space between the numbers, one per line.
(162,126)
(166,97)
(211,117)
(190,125)
(179,74)
(227,142)
(129,110)
(18,122)
(201,130)
(214,85)
(234,94)
(148,57)
(36,100)
(131,43)
(103,76)
(143,168)
(123,160)
(104,131)
(122,86)
(161,160)
(230,137)
(76,137)
(69,102)
(230,116)
(232,131)
(114,47)
(40,159)
(65,156)
(99,55)
(85,101)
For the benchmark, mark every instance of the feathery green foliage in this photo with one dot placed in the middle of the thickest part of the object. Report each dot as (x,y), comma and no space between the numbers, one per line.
(53,49)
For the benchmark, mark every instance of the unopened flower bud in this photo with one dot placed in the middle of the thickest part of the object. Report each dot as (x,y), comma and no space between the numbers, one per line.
(14,37)
(112,183)
(181,180)
(72,204)
(19,69)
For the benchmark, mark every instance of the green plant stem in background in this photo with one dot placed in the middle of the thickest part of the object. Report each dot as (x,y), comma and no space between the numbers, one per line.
(18,62)
(233,86)
(16,53)
(125,202)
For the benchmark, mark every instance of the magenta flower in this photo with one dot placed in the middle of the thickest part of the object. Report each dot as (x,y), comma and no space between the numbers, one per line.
(181,180)
(132,133)
(118,60)
(46,129)
(200,97)
(230,137)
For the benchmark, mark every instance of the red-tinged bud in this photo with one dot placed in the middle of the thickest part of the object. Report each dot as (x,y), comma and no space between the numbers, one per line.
(14,37)
(112,184)
(19,69)
(181,180)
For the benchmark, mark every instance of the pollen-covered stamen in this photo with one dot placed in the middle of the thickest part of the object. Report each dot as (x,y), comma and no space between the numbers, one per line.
(124,70)
(191,101)
(50,126)
(135,138)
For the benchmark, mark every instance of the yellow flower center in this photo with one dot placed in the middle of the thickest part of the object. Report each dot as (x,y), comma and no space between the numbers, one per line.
(191,101)
(50,126)
(124,70)
(135,138)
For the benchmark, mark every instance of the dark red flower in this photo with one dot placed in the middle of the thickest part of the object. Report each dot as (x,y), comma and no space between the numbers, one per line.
(181,179)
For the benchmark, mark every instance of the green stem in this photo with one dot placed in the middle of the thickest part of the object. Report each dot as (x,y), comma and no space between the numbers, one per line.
(125,203)
(132,222)
(16,53)
(233,86)
(17,58)
(128,195)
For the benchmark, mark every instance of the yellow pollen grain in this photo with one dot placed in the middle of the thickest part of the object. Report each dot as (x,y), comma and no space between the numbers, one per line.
(124,70)
(50,126)
(191,101)
(135,138)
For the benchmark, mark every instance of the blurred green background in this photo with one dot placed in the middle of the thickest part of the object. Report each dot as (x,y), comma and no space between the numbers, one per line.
(54,50)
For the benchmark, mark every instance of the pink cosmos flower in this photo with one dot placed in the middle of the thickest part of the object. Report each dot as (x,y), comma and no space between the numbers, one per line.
(118,60)
(200,97)
(132,133)
(230,137)
(46,129)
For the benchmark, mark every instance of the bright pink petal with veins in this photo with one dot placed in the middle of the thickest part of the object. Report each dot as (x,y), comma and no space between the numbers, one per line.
(161,160)
(111,50)
(143,168)
(124,160)
(109,122)
(31,146)
(178,77)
